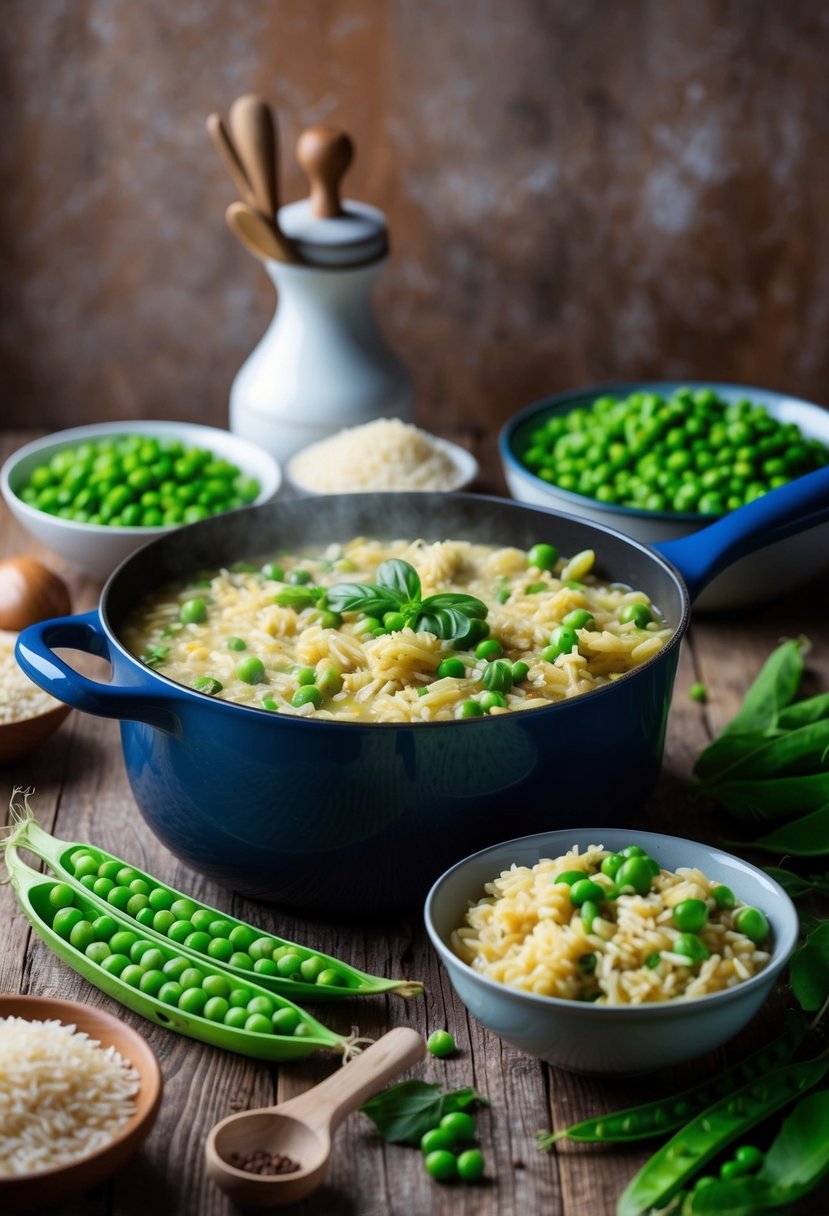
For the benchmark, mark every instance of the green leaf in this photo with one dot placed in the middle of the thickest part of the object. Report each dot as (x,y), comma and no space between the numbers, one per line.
(399,577)
(795,885)
(774,688)
(809,970)
(803,713)
(445,623)
(726,753)
(773,798)
(799,1155)
(403,1113)
(298,597)
(361,597)
(807,836)
(804,747)
(469,605)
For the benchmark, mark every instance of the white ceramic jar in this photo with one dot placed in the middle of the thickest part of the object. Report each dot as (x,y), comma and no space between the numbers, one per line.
(323,363)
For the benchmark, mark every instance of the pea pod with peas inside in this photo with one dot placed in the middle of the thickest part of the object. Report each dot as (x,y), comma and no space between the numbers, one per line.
(161,983)
(197,930)
(666,1173)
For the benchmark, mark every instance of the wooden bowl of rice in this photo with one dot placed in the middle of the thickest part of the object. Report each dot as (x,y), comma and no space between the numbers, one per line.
(26,1179)
(28,715)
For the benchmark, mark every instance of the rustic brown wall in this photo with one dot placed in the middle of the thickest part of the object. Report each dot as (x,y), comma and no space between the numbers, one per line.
(576,191)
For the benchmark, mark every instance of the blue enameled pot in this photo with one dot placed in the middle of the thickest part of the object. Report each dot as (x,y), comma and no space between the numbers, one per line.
(362,817)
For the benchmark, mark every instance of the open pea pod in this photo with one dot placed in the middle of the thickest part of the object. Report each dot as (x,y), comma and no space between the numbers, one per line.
(242,950)
(281,1031)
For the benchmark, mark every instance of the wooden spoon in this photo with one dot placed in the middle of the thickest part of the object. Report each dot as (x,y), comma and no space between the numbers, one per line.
(224,145)
(302,1128)
(254,134)
(259,235)
(325,154)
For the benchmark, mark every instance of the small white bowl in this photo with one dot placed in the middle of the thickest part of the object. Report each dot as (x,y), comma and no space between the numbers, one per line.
(97,548)
(466,470)
(753,580)
(609,1039)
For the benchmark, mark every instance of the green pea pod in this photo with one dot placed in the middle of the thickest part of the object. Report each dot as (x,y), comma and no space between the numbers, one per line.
(807,836)
(663,1115)
(803,713)
(308,1035)
(773,798)
(665,1173)
(338,979)
(773,690)
(794,1164)
(804,746)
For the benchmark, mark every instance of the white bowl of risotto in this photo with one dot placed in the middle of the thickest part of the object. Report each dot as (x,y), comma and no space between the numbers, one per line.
(79,1093)
(613,976)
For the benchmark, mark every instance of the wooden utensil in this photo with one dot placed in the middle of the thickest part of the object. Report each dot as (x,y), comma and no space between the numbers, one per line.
(325,154)
(302,1127)
(224,145)
(254,135)
(259,235)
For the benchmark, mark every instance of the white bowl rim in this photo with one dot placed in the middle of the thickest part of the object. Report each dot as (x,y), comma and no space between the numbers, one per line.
(466,465)
(57,440)
(672,1008)
(571,397)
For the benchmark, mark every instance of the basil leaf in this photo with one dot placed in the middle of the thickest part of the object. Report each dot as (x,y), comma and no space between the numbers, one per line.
(809,970)
(775,687)
(497,676)
(298,597)
(807,836)
(399,577)
(445,623)
(403,1113)
(361,597)
(468,604)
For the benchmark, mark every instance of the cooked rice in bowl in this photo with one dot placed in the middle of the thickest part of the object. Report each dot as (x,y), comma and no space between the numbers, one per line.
(527,933)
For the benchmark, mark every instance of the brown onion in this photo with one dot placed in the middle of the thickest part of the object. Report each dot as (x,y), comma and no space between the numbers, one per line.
(30,592)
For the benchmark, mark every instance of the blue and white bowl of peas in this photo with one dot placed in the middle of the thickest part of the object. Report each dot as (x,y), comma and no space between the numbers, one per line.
(658,460)
(97,493)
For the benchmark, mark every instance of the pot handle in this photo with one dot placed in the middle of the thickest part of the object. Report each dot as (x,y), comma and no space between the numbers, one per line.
(35,654)
(801,504)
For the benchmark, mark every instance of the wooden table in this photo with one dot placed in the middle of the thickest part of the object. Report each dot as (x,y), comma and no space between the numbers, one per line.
(82,794)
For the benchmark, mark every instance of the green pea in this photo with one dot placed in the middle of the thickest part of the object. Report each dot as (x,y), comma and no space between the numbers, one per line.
(579,618)
(310,969)
(170,993)
(589,911)
(751,922)
(122,941)
(585,889)
(236,1018)
(174,968)
(257,1023)
(690,915)
(220,948)
(104,928)
(289,965)
(330,682)
(460,1125)
(139,948)
(570,876)
(145,916)
(653,960)
(109,869)
(393,622)
(162,921)
(216,1009)
(97,952)
(239,998)
(306,676)
(542,557)
(242,936)
(612,864)
(470,1165)
(132,975)
(331,978)
(309,694)
(691,947)
(273,571)
(469,709)
(115,964)
(135,903)
(61,896)
(441,1165)
(263,947)
(563,640)
(139,887)
(251,670)
(191,977)
(634,875)
(452,668)
(202,919)
(441,1043)
(261,1004)
(489,649)
(84,864)
(152,959)
(265,966)
(285,1021)
(160,900)
(723,896)
(179,931)
(184,909)
(193,612)
(152,982)
(492,700)
(198,942)
(65,921)
(192,1000)
(435,1139)
(241,959)
(749,1158)
(88,881)
(81,935)
(520,671)
(639,614)
(236,644)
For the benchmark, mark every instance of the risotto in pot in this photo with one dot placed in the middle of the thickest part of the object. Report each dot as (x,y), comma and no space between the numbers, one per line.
(398,631)
(612,928)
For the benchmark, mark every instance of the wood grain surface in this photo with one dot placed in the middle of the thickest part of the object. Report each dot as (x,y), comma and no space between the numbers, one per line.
(82,794)
(575,192)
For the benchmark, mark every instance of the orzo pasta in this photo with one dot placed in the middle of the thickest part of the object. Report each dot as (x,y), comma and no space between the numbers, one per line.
(263,634)
(542,930)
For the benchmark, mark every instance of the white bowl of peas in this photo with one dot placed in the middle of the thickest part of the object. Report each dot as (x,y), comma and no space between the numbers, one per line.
(658,460)
(96,493)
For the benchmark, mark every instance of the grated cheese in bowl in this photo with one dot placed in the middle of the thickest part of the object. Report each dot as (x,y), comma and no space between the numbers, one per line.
(385,454)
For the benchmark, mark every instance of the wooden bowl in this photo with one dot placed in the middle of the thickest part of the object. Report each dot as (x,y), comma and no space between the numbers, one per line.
(18,738)
(48,1186)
